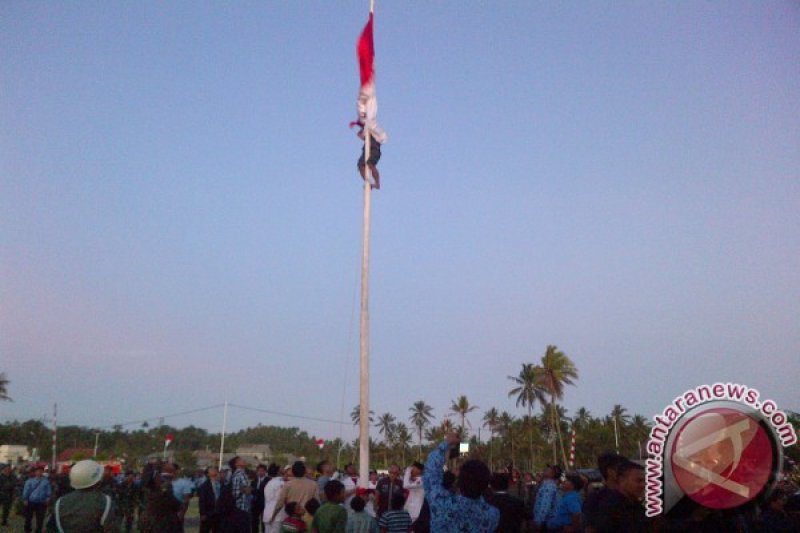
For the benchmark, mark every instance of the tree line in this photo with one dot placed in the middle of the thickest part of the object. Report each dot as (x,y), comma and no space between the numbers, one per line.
(541,435)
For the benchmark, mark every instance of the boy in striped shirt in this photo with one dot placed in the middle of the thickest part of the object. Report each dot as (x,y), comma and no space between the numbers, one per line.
(398,520)
(359,521)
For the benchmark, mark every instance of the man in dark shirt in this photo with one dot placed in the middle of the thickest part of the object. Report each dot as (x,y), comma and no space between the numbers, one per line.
(7,485)
(128,499)
(386,489)
(257,509)
(774,517)
(107,485)
(161,508)
(513,512)
(595,501)
(622,511)
(208,497)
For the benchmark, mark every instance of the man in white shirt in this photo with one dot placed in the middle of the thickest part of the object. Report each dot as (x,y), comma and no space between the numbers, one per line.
(412,482)
(350,481)
(272,491)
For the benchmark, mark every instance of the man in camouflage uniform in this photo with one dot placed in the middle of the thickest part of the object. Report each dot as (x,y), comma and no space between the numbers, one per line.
(86,509)
(8,484)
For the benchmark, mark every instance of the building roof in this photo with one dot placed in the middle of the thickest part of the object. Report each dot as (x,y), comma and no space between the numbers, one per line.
(69,453)
(254,449)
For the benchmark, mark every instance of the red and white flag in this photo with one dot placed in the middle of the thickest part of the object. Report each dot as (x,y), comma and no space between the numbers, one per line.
(320,443)
(168,439)
(367,103)
(366,54)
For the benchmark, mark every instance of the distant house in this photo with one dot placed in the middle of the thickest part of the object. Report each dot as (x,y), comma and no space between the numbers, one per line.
(158,456)
(204,459)
(255,453)
(14,453)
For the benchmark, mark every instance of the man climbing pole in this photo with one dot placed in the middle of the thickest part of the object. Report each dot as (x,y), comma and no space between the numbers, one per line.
(367,108)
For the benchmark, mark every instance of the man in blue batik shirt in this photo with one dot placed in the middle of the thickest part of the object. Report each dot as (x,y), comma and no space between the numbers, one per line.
(547,497)
(35,495)
(467,511)
(568,510)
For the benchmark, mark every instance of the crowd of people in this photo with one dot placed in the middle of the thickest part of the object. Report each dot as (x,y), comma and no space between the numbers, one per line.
(430,497)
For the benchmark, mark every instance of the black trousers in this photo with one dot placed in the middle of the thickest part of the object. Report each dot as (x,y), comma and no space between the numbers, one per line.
(6,504)
(237,522)
(31,510)
(374,153)
(210,525)
(127,518)
(256,520)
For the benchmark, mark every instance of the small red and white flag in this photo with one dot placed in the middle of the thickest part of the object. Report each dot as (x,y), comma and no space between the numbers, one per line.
(168,439)
(320,443)
(367,103)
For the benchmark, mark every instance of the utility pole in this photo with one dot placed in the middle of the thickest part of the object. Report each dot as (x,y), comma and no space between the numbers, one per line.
(55,427)
(222,439)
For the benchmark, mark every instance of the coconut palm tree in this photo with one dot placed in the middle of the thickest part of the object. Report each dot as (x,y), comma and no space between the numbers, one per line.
(506,422)
(4,381)
(355,415)
(582,418)
(402,440)
(386,427)
(620,414)
(527,390)
(385,423)
(640,430)
(435,434)
(619,417)
(462,408)
(556,371)
(421,416)
(439,432)
(491,419)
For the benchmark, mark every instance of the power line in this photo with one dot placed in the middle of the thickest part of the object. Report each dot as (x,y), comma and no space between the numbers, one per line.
(172,415)
(289,415)
(209,408)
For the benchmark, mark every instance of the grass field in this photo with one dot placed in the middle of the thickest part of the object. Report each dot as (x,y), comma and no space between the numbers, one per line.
(191,525)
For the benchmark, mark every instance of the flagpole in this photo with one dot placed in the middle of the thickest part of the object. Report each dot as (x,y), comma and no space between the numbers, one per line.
(363,430)
(363,433)
(222,440)
(55,432)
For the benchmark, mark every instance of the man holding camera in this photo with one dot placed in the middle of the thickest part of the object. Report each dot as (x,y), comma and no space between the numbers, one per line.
(467,511)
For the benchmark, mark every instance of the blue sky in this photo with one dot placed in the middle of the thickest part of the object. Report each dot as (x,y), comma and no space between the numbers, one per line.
(180,214)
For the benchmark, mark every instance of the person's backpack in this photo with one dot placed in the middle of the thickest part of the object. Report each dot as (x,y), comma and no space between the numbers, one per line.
(226,502)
